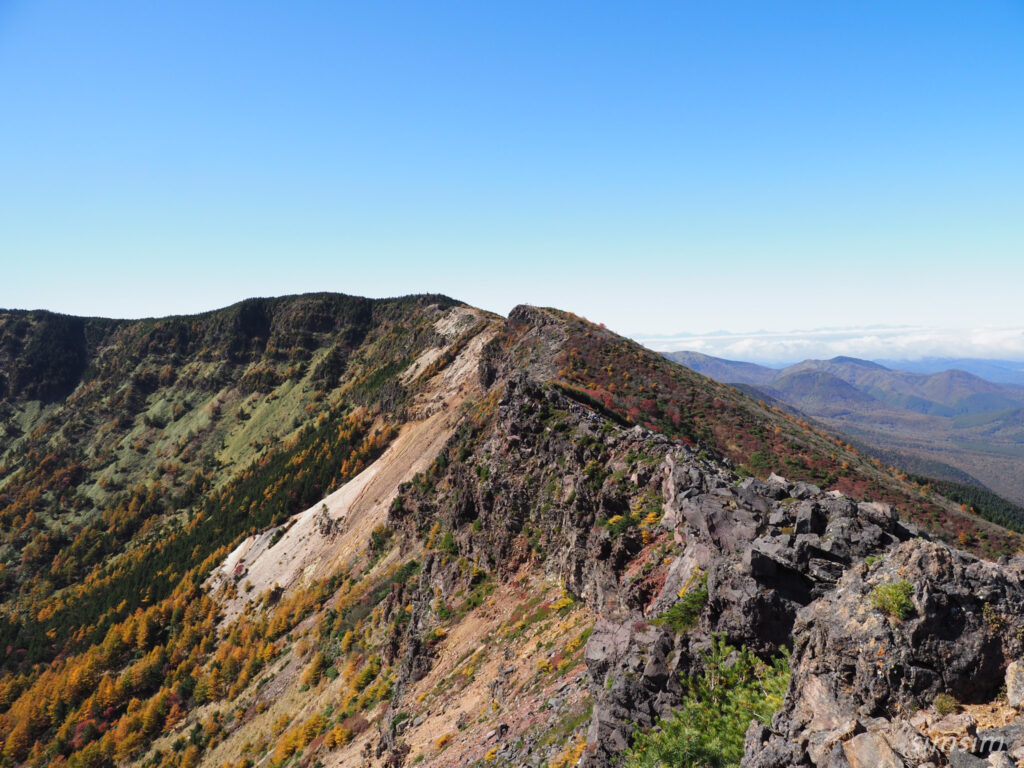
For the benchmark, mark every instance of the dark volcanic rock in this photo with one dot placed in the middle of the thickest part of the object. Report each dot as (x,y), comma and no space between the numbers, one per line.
(763,557)
(852,662)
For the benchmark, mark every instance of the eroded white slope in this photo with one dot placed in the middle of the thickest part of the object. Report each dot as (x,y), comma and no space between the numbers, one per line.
(331,532)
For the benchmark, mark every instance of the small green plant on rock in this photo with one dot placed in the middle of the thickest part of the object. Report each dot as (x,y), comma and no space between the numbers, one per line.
(683,616)
(993,618)
(448,545)
(893,599)
(945,704)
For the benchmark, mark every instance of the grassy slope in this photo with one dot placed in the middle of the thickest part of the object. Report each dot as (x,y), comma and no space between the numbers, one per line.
(183,436)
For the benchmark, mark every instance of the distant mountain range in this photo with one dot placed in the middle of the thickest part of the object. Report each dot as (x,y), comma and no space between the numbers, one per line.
(999,371)
(945,423)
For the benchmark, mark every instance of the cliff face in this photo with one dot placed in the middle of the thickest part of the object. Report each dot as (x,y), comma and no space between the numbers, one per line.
(635,525)
(459,540)
(566,480)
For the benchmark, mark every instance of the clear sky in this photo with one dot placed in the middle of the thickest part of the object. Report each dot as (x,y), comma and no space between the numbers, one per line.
(661,167)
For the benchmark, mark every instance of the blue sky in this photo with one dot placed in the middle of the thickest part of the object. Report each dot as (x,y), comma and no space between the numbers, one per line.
(661,167)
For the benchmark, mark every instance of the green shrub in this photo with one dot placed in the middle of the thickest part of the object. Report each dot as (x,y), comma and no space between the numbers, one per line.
(945,704)
(760,461)
(379,537)
(448,544)
(478,594)
(683,616)
(893,599)
(709,729)
(619,524)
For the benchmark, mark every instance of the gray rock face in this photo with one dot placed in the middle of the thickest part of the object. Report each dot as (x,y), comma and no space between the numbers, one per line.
(634,660)
(764,554)
(882,515)
(870,750)
(960,759)
(851,661)
(1015,685)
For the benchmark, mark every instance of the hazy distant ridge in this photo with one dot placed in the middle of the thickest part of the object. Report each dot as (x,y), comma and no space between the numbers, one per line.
(949,416)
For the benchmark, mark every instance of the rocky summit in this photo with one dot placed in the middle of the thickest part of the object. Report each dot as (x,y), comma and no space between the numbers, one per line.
(329,531)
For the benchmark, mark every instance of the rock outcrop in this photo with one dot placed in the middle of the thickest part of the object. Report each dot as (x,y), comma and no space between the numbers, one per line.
(866,684)
(764,550)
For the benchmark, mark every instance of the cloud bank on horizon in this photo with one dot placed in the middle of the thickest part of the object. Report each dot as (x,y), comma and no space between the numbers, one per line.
(869,343)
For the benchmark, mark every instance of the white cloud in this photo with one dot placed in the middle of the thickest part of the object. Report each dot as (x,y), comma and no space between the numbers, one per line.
(871,343)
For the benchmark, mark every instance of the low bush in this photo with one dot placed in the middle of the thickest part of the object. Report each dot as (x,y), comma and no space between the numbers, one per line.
(683,616)
(945,704)
(893,599)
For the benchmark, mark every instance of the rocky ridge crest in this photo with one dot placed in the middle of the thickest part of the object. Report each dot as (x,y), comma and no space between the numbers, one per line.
(765,551)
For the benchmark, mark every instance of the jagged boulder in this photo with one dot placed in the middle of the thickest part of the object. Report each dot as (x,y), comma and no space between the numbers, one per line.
(1015,684)
(763,551)
(765,557)
(864,663)
(632,660)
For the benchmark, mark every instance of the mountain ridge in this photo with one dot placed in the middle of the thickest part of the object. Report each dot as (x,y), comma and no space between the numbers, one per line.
(321,528)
